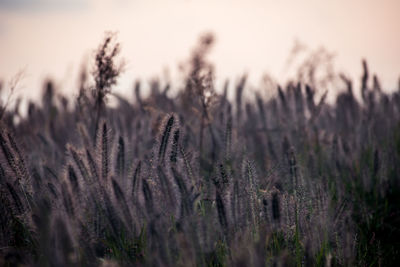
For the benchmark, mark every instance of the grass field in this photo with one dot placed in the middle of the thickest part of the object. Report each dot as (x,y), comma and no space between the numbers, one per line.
(194,178)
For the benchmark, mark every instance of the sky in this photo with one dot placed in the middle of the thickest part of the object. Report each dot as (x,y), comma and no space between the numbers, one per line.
(53,38)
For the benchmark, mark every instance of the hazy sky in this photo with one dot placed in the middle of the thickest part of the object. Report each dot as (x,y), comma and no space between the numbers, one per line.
(53,37)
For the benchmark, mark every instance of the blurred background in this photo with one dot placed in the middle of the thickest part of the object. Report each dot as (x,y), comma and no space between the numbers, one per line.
(55,38)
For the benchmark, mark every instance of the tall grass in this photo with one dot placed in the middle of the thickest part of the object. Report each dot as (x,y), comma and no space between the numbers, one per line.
(199,180)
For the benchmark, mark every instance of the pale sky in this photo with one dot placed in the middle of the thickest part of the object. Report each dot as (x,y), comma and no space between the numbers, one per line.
(53,37)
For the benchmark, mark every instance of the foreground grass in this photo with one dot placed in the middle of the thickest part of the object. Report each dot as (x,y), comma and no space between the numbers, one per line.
(198,179)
